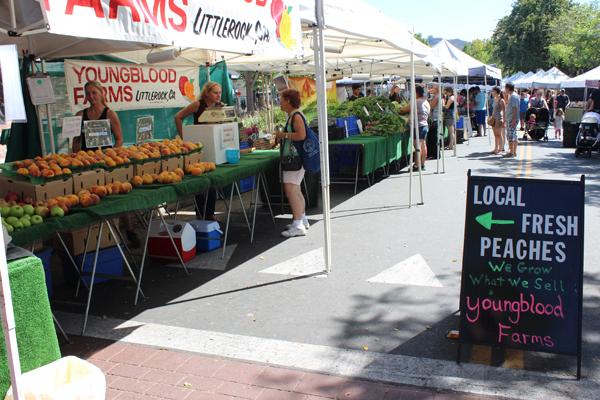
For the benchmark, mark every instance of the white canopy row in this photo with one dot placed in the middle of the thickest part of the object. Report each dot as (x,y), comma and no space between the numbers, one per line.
(541,79)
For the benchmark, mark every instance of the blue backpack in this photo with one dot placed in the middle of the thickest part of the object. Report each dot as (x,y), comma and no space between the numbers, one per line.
(308,148)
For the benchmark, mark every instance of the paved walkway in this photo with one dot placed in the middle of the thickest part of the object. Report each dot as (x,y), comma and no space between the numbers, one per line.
(137,372)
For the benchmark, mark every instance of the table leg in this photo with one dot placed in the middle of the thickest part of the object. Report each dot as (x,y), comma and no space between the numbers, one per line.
(144,253)
(68,253)
(89,299)
(357,162)
(305,191)
(237,189)
(173,243)
(124,242)
(60,329)
(176,210)
(85,245)
(254,204)
(265,187)
(108,224)
(227,225)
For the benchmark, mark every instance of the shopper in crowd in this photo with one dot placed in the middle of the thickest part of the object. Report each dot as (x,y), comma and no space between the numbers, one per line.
(539,101)
(423,110)
(558,123)
(395,94)
(562,100)
(432,135)
(295,130)
(209,97)
(480,110)
(97,109)
(498,120)
(448,109)
(356,93)
(593,102)
(550,102)
(511,117)
(523,107)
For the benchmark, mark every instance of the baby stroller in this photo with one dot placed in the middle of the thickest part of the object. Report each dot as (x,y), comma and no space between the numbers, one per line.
(588,139)
(542,120)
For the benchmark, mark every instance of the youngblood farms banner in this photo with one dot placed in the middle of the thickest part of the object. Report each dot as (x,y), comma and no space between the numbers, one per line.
(132,86)
(269,27)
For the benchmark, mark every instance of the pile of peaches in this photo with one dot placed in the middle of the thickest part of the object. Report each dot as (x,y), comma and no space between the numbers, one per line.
(164,177)
(200,167)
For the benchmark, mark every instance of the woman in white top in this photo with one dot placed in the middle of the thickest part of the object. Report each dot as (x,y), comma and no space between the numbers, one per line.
(423,110)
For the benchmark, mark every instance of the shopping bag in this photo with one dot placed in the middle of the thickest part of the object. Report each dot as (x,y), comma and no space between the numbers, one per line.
(290,157)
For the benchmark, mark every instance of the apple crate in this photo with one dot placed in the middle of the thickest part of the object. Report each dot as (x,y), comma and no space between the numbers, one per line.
(121,174)
(171,164)
(29,192)
(87,179)
(192,158)
(149,167)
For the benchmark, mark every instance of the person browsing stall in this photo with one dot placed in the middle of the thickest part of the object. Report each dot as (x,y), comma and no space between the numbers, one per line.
(423,111)
(97,110)
(356,93)
(295,130)
(209,97)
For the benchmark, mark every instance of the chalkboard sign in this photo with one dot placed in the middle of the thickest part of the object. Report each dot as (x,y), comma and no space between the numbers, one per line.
(522,275)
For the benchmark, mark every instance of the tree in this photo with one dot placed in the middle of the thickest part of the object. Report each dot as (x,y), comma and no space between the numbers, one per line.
(421,38)
(574,47)
(522,39)
(250,80)
(482,50)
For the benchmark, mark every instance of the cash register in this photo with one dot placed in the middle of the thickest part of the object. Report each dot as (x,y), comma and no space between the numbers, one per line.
(217,130)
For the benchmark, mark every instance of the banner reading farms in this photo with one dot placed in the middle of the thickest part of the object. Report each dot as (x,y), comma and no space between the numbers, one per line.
(269,27)
(131,86)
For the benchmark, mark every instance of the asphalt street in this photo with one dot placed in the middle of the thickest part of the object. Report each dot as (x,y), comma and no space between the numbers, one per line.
(384,310)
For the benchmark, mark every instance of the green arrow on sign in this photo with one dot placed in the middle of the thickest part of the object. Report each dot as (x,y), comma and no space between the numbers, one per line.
(487,221)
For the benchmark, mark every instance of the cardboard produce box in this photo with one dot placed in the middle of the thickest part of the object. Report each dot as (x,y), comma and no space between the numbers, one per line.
(87,179)
(150,167)
(123,174)
(192,158)
(75,240)
(170,164)
(40,192)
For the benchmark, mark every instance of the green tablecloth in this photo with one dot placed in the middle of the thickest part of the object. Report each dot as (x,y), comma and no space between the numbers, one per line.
(36,335)
(377,151)
(146,197)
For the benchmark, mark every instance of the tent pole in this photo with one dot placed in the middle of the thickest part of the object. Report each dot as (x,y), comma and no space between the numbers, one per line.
(49,118)
(319,50)
(13,15)
(455,94)
(487,109)
(412,138)
(416,122)
(8,325)
(441,126)
(468,115)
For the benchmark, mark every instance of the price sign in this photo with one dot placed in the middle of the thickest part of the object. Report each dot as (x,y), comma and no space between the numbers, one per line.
(97,133)
(144,129)
(71,127)
(40,90)
(522,275)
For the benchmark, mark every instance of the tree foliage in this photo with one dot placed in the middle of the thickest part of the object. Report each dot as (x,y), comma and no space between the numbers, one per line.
(421,38)
(574,39)
(482,50)
(523,38)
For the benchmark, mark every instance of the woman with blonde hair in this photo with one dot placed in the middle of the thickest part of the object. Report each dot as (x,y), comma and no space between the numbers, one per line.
(209,97)
(97,109)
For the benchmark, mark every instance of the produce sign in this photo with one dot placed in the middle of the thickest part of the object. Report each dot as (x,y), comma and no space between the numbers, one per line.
(379,116)
(522,274)
(270,27)
(132,87)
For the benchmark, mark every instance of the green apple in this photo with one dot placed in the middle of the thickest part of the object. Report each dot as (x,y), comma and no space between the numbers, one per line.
(5,211)
(9,228)
(57,211)
(36,219)
(42,211)
(28,209)
(18,225)
(16,211)
(11,220)
(26,222)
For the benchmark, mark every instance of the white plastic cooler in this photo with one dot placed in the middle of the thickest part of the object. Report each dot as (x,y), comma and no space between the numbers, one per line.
(215,138)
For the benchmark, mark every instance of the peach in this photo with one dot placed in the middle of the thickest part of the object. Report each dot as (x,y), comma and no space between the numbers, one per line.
(137,180)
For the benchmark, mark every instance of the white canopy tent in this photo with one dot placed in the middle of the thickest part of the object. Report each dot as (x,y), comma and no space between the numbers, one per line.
(550,79)
(513,77)
(464,64)
(526,80)
(579,81)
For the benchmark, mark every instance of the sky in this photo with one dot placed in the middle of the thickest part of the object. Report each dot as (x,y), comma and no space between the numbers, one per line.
(449,19)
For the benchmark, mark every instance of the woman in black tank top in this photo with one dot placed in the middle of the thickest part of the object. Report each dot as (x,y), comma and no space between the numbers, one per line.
(97,110)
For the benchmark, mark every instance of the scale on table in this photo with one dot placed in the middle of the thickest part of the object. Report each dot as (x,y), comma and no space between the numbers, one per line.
(217,115)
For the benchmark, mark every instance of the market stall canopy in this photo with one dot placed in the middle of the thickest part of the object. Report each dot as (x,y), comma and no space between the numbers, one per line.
(462,63)
(381,48)
(579,81)
(526,80)
(54,29)
(513,77)
(550,79)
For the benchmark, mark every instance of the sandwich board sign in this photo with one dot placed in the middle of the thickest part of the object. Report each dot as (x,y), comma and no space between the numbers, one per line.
(522,275)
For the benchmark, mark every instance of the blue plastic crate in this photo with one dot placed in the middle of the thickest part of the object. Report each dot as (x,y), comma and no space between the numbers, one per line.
(110,262)
(349,123)
(46,257)
(246,184)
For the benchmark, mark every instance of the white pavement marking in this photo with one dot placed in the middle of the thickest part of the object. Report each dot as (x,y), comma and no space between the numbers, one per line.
(209,261)
(399,369)
(413,271)
(312,262)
